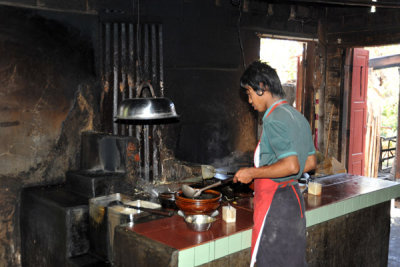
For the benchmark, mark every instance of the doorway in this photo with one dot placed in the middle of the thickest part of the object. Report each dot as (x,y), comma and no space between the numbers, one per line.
(383,110)
(285,56)
(383,106)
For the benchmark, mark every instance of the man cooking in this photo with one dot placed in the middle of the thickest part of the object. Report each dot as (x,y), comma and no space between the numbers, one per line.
(284,152)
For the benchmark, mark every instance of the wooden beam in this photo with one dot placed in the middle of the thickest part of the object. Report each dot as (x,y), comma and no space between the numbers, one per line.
(397,159)
(78,7)
(345,109)
(385,62)
(355,3)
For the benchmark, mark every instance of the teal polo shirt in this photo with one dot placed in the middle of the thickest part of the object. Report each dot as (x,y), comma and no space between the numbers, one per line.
(286,132)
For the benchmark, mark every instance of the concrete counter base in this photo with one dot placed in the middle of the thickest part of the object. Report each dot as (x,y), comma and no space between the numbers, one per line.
(360,238)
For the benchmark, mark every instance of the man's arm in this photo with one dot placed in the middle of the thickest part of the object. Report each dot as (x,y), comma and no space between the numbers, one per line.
(311,163)
(284,167)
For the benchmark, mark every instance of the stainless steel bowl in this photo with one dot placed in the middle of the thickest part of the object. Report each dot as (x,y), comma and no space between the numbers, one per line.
(146,109)
(200,222)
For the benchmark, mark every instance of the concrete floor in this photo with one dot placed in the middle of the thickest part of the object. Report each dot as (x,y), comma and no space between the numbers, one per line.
(394,244)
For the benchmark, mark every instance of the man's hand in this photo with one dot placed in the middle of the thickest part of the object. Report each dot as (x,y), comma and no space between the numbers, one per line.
(243,175)
(282,168)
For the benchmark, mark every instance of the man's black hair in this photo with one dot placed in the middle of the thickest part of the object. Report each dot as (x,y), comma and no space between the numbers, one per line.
(260,72)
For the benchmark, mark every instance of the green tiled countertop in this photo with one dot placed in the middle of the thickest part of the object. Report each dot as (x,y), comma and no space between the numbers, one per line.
(344,193)
(341,194)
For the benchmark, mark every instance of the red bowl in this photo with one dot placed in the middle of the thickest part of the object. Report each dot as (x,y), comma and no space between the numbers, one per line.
(198,206)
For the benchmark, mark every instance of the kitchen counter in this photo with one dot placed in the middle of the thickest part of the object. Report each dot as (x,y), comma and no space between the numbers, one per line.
(342,195)
(345,193)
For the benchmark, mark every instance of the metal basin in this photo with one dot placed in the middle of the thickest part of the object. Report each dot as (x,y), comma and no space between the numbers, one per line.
(200,222)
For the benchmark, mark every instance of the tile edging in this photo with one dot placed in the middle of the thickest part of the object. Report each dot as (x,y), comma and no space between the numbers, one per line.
(353,204)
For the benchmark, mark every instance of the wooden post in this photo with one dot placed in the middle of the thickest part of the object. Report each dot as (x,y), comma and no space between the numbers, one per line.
(299,86)
(329,130)
(397,158)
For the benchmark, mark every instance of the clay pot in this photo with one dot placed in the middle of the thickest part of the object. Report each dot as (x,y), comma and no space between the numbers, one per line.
(208,202)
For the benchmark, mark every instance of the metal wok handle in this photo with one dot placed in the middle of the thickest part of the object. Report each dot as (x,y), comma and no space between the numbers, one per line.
(214,185)
(145,84)
(154,211)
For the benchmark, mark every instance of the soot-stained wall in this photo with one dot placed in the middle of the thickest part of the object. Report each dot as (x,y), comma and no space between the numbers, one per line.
(203,64)
(50,94)
(47,98)
(202,61)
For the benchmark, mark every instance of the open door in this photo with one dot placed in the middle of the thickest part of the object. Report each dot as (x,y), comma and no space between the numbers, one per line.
(358,111)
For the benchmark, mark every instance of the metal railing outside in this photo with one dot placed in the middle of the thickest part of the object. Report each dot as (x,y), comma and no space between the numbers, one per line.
(388,152)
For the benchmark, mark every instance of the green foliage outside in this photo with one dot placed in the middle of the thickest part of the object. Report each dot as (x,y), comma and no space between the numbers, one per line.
(386,83)
(389,118)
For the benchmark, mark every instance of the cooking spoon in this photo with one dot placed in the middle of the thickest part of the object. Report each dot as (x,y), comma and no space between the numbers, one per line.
(191,192)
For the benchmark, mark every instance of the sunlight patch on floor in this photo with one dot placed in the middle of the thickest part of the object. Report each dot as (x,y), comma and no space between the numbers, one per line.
(395,212)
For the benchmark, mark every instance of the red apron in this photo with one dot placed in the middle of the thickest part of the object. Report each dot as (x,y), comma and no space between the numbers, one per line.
(264,190)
